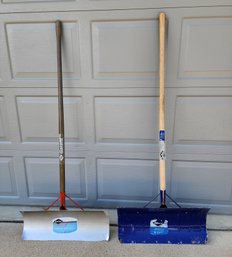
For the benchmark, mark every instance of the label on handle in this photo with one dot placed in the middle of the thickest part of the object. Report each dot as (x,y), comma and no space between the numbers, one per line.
(162,135)
(61,148)
(162,150)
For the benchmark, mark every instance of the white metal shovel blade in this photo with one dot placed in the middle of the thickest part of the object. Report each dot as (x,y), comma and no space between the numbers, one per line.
(66,225)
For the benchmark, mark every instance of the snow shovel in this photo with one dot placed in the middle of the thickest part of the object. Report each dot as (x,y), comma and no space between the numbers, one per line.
(63,224)
(162,225)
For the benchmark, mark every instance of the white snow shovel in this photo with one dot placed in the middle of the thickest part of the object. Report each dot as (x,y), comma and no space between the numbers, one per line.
(63,224)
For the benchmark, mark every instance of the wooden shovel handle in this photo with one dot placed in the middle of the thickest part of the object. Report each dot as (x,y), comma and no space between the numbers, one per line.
(161,68)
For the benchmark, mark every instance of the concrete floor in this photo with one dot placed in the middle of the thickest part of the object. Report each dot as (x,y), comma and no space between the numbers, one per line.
(219,245)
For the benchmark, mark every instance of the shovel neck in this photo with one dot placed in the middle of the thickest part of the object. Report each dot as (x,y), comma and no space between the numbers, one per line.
(163,199)
(62,201)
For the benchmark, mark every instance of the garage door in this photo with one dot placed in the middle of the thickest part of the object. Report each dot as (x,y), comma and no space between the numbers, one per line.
(111,105)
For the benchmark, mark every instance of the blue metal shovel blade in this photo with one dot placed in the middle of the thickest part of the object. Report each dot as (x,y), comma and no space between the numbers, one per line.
(162,226)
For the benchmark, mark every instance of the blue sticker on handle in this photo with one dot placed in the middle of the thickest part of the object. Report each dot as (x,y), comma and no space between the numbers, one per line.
(162,135)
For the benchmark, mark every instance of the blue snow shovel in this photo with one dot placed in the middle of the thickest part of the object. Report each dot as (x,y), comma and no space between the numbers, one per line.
(162,225)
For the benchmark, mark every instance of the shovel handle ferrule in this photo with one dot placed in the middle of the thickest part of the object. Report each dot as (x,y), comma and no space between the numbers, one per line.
(62,201)
(163,199)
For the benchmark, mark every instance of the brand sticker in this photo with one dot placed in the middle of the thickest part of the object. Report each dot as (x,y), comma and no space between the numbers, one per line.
(162,152)
(63,225)
(61,148)
(158,227)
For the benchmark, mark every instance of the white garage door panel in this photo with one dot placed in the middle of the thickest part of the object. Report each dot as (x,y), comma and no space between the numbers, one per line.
(0,70)
(196,122)
(201,181)
(126,119)
(32,50)
(38,118)
(206,48)
(37,169)
(7,174)
(125,49)
(3,121)
(127,179)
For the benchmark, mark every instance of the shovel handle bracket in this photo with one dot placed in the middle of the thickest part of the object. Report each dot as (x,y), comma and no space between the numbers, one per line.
(61,198)
(162,206)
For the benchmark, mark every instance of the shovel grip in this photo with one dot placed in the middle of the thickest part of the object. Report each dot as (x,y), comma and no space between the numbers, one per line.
(162,153)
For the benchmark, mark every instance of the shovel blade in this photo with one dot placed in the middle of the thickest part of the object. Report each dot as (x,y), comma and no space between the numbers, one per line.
(162,226)
(65,225)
